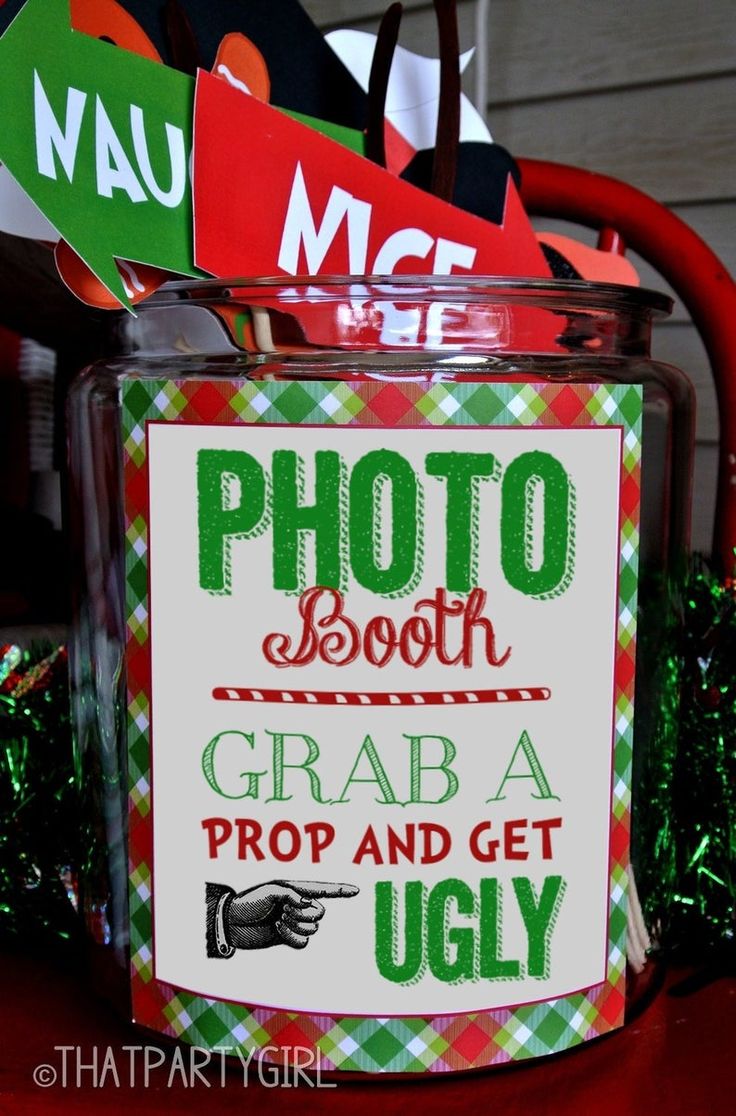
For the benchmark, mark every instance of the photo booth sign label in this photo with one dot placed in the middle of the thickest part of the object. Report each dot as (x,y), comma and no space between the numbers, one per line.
(399,774)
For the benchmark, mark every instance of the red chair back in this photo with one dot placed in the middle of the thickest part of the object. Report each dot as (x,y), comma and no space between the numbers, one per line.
(689,266)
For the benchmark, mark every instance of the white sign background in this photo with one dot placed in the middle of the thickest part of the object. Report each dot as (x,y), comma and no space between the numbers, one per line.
(200,641)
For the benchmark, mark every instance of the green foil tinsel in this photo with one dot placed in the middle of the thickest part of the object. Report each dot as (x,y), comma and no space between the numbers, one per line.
(38,815)
(687,865)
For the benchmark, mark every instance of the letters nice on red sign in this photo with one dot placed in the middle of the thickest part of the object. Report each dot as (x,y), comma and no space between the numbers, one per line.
(273,196)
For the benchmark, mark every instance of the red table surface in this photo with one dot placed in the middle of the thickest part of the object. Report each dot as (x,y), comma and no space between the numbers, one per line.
(677,1057)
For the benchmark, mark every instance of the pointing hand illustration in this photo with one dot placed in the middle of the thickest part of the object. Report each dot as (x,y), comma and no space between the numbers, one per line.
(281,912)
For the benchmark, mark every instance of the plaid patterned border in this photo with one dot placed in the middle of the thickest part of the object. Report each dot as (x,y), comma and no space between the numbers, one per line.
(413,1044)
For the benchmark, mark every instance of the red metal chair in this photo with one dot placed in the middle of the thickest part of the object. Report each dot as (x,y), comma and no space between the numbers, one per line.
(690,267)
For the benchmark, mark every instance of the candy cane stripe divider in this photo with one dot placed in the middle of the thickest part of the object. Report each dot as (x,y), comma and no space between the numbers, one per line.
(347,697)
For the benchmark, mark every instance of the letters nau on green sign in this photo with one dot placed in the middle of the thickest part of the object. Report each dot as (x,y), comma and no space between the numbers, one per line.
(100,139)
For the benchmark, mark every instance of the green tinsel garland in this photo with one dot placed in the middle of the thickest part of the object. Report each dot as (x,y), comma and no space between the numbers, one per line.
(686,796)
(38,814)
(688,876)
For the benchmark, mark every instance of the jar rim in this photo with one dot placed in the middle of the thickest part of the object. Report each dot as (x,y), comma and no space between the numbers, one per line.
(480,287)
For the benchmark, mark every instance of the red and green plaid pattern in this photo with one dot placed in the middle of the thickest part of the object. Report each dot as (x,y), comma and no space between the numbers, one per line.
(412,1044)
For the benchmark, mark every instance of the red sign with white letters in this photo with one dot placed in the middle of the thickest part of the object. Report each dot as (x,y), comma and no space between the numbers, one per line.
(281,199)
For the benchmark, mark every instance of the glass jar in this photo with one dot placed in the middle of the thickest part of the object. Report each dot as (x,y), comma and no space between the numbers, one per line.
(361,569)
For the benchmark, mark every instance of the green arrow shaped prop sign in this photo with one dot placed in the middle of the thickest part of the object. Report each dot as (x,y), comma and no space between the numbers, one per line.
(100,139)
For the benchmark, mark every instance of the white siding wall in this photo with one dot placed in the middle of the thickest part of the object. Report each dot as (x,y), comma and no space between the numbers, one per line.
(644,90)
